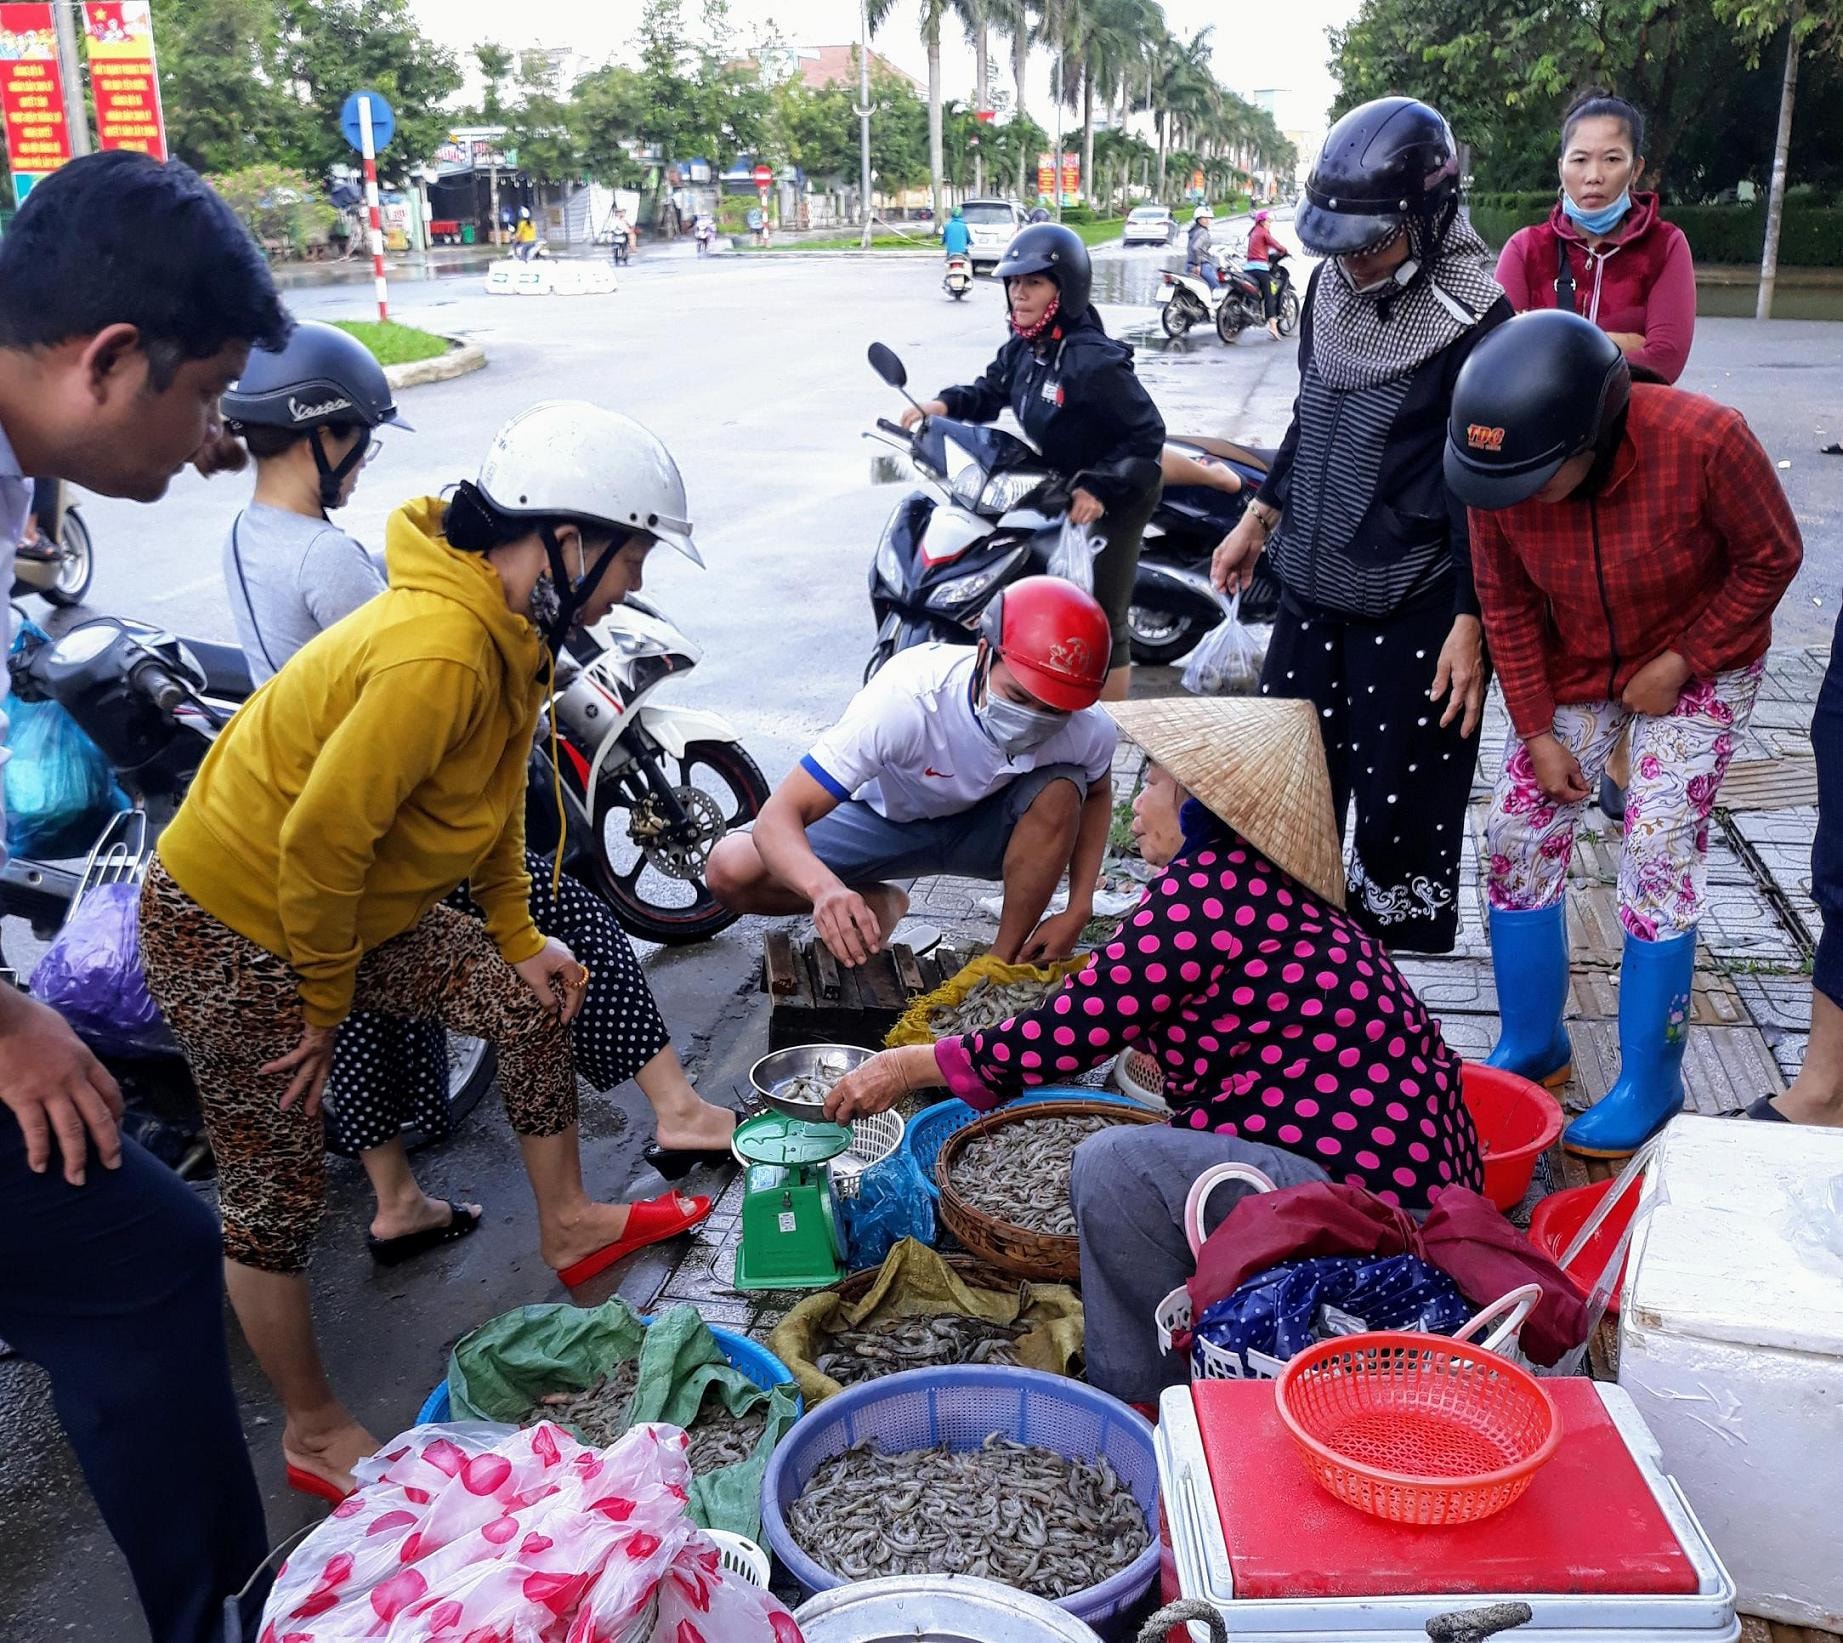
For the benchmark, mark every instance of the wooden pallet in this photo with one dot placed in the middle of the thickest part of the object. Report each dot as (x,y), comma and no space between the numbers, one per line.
(817,1000)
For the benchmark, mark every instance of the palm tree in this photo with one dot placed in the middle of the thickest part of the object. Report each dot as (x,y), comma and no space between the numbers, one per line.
(1112,48)
(1012,19)
(975,14)
(932,11)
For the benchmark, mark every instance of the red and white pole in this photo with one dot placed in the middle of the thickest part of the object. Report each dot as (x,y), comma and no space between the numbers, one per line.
(371,207)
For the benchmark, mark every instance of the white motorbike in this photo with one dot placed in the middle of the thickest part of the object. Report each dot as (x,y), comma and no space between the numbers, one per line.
(1185,300)
(958,279)
(649,786)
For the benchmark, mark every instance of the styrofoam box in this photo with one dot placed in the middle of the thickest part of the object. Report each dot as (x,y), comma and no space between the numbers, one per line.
(1731,1346)
(1202,1567)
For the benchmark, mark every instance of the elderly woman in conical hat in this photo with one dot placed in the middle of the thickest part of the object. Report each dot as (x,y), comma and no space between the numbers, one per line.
(1286,1037)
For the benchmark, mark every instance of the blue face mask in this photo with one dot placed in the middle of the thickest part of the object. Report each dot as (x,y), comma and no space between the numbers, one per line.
(1597,222)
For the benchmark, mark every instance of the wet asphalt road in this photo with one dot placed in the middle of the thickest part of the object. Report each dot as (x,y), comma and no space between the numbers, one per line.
(753,370)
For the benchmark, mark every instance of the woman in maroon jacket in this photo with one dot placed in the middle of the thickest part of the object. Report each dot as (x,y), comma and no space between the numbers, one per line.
(1630,544)
(1605,252)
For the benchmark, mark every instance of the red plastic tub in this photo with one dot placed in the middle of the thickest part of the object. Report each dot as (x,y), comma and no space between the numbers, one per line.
(1516,1121)
(1561,1215)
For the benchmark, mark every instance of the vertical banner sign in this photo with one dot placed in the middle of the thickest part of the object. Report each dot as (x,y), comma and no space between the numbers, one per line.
(1071,177)
(1046,176)
(119,36)
(31,95)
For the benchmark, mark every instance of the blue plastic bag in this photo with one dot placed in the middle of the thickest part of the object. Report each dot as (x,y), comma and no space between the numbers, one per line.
(1285,1309)
(91,975)
(891,1204)
(60,791)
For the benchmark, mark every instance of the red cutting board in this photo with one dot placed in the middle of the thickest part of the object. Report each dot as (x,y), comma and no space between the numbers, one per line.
(1587,1523)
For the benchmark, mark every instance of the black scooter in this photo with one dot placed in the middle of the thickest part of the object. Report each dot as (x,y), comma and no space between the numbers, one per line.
(992,512)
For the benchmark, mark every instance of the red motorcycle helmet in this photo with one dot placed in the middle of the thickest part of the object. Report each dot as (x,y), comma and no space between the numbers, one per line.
(1054,637)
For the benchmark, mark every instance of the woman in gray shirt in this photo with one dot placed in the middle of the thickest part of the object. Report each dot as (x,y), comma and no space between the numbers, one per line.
(308,415)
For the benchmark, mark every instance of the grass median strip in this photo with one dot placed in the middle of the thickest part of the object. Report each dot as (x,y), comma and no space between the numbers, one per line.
(395,344)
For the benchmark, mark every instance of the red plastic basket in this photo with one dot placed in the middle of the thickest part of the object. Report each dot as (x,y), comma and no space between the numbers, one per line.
(1414,1428)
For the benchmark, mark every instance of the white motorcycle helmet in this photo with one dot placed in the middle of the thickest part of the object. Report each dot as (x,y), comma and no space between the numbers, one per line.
(1203,214)
(568,460)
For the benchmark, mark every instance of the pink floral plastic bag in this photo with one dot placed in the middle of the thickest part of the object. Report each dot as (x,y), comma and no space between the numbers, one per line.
(478,1534)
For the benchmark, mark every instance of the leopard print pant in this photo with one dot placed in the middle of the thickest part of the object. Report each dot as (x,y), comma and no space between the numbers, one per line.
(234,1008)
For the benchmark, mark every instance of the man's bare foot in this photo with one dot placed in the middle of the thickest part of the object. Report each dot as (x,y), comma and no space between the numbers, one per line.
(889,904)
(699,1127)
(1810,1106)
(399,1220)
(328,1452)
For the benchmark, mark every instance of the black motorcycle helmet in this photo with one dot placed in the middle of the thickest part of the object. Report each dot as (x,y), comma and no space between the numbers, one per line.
(322,378)
(1049,248)
(1537,390)
(1385,163)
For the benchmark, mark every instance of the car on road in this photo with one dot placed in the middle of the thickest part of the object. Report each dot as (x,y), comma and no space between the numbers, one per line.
(1149,225)
(991,223)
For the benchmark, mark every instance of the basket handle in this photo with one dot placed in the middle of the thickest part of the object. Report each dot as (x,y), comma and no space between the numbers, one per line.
(1519,1303)
(1208,1182)
(1178,1613)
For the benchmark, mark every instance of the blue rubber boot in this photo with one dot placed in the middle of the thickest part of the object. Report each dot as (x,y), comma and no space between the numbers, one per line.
(1529,956)
(1654,982)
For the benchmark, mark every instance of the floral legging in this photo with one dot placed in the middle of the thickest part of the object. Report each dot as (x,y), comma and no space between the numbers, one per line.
(1678,762)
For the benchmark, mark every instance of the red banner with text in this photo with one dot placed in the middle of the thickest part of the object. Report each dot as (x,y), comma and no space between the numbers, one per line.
(31,94)
(119,35)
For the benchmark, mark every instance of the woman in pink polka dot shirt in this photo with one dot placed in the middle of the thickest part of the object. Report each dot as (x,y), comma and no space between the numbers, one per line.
(1286,1036)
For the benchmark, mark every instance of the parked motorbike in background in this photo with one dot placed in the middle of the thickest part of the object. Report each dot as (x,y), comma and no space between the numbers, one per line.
(958,279)
(59,563)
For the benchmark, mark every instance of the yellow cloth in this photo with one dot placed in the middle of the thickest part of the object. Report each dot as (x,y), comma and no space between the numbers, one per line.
(527,231)
(381,767)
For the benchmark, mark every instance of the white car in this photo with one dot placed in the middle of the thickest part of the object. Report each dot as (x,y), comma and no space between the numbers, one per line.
(1149,225)
(991,223)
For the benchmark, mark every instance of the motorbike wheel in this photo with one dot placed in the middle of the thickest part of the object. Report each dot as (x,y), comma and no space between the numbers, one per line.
(1289,313)
(1160,637)
(1176,318)
(77,566)
(1230,320)
(668,902)
(959,293)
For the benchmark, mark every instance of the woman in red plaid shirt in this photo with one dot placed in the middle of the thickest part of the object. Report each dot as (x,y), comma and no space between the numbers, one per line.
(1629,545)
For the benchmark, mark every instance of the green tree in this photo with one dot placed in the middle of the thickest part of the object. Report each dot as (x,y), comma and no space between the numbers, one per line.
(221,110)
(328,48)
(540,129)
(284,210)
(495,64)
(606,112)
(1808,26)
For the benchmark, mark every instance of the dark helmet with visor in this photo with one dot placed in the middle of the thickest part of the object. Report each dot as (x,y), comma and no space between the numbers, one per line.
(1382,165)
(1049,248)
(1537,390)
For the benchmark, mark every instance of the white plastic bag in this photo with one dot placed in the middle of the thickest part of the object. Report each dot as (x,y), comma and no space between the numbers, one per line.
(1074,555)
(461,1532)
(1228,660)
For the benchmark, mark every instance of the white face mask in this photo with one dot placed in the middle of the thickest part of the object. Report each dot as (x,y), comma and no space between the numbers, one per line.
(1013,726)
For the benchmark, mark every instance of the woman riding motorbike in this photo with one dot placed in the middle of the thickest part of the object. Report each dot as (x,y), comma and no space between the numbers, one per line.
(1263,248)
(1072,389)
(304,875)
(291,573)
(1379,620)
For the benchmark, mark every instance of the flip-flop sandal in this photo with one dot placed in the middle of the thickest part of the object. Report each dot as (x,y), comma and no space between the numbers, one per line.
(650,1222)
(395,1251)
(1763,1108)
(304,1482)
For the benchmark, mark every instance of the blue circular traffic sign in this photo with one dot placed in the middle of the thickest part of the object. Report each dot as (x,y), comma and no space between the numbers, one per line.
(383,121)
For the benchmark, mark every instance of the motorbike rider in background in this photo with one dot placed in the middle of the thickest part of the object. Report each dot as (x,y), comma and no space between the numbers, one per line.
(1262,249)
(1199,258)
(956,237)
(291,573)
(1073,391)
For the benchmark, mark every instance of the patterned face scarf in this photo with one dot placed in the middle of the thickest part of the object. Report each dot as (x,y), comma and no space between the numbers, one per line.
(1030,333)
(1361,338)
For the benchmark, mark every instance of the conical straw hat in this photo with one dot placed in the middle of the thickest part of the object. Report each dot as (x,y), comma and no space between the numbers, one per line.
(1258,764)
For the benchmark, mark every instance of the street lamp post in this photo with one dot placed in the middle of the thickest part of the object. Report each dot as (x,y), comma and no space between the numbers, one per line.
(863,114)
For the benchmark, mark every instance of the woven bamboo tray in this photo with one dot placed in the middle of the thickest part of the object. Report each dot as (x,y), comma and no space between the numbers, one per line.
(1049,1257)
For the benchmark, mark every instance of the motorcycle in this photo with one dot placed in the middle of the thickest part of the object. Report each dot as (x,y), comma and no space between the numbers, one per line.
(60,563)
(992,513)
(1241,305)
(958,279)
(1173,602)
(1185,300)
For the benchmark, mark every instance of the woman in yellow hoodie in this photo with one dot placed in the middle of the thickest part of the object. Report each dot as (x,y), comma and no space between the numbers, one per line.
(304,875)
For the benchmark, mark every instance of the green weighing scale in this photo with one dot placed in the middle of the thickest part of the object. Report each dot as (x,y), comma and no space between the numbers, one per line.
(792,1237)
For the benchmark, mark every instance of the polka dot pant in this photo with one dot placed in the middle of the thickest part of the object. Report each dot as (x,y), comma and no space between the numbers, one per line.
(391,1075)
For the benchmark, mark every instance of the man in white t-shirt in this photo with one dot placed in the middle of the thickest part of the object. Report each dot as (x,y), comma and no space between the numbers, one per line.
(991,763)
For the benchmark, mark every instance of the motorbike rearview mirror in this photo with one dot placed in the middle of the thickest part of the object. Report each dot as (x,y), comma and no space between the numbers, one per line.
(884,362)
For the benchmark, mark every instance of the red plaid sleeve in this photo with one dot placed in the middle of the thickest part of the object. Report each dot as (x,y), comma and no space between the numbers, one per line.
(1747,505)
(1514,611)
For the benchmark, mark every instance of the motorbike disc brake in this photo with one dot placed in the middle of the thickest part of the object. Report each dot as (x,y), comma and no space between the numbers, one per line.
(676,857)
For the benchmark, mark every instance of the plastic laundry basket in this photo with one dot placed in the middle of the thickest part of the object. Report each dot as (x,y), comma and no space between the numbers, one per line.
(962,1406)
